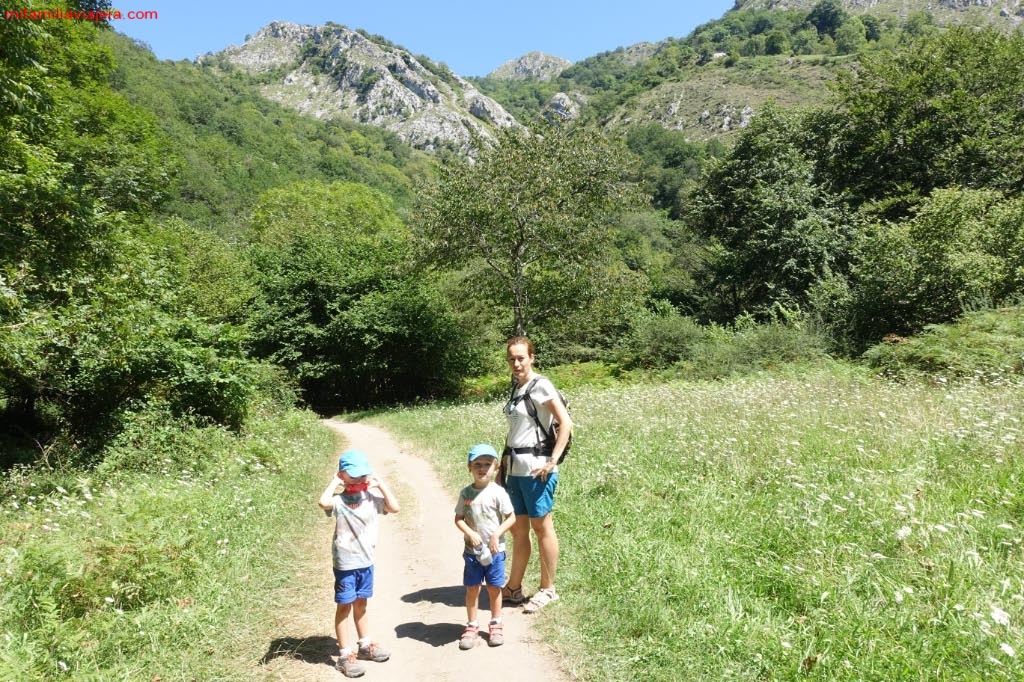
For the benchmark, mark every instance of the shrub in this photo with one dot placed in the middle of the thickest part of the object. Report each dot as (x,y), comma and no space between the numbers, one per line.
(987,345)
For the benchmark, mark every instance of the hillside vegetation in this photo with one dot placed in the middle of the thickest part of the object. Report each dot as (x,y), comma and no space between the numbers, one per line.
(820,523)
(186,269)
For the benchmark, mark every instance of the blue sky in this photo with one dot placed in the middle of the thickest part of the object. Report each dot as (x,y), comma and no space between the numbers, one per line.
(472,38)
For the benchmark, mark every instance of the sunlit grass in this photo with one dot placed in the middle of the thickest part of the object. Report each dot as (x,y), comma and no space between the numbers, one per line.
(164,575)
(824,526)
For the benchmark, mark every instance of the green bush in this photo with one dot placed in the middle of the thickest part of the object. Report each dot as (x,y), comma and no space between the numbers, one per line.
(661,340)
(987,345)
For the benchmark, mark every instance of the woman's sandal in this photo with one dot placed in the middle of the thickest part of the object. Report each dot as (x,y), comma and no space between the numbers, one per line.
(512,597)
(541,599)
(469,637)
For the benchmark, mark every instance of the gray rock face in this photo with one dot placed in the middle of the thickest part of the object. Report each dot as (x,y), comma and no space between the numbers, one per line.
(333,72)
(563,106)
(534,66)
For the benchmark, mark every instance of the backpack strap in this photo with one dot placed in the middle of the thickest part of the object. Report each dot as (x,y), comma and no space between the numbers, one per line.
(531,407)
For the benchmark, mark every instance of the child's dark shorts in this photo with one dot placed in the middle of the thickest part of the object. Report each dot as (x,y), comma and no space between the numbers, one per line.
(476,573)
(352,584)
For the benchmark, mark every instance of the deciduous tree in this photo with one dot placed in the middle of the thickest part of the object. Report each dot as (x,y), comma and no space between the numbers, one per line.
(537,208)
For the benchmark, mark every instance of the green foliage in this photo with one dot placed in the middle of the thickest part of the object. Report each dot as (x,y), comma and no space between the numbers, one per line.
(536,208)
(986,345)
(211,276)
(663,339)
(337,304)
(89,313)
(781,526)
(909,122)
(231,144)
(779,230)
(112,562)
(671,163)
(962,247)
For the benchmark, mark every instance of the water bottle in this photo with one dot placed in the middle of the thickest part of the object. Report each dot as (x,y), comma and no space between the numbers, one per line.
(483,554)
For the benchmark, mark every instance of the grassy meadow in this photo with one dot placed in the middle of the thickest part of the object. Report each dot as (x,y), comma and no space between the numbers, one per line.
(168,569)
(824,524)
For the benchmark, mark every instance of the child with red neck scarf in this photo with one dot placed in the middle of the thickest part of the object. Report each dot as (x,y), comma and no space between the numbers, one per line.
(356,497)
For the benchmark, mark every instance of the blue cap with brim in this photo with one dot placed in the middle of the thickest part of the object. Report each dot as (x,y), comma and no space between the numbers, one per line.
(354,463)
(482,450)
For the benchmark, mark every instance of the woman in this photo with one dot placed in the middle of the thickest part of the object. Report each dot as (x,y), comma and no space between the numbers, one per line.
(530,465)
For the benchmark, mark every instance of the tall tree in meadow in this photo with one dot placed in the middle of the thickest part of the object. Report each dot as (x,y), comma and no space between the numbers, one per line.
(775,230)
(538,209)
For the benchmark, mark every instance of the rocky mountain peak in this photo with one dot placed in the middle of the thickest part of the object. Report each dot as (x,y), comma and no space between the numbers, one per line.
(533,66)
(333,72)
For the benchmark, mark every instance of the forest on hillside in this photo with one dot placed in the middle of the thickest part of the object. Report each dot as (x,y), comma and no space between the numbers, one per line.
(175,247)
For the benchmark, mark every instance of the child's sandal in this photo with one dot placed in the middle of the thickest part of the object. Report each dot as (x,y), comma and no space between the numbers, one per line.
(469,637)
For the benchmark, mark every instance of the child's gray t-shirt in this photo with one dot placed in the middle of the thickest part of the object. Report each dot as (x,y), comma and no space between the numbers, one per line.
(355,529)
(484,509)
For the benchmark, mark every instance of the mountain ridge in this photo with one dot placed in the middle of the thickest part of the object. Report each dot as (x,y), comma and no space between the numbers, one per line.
(332,71)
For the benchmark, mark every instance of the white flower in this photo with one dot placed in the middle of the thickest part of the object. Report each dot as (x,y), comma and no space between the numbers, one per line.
(903,533)
(999,616)
(1007,649)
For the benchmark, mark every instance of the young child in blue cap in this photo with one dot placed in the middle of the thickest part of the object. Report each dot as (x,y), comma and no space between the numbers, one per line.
(483,514)
(363,497)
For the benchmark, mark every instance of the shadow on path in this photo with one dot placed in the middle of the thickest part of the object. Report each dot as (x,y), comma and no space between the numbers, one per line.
(454,595)
(436,634)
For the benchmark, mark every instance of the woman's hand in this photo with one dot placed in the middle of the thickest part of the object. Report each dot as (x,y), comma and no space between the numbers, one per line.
(542,471)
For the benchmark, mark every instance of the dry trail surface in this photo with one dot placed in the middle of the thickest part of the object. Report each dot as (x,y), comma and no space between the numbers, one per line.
(418,608)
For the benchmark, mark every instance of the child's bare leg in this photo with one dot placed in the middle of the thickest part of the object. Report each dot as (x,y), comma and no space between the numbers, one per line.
(494,593)
(341,626)
(359,615)
(472,599)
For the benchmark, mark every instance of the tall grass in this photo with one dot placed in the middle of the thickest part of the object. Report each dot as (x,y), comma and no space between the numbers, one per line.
(828,525)
(160,573)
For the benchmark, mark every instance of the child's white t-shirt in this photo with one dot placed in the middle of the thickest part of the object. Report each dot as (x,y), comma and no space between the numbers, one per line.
(484,510)
(356,529)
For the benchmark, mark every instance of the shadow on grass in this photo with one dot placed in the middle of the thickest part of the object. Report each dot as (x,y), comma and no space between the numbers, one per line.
(315,650)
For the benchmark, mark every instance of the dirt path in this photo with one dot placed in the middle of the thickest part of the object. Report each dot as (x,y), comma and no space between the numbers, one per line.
(418,608)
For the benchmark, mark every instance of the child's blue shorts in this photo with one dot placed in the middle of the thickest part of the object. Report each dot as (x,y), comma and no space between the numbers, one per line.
(476,573)
(531,496)
(352,584)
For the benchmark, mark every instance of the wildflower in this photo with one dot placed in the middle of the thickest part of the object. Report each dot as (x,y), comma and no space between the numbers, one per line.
(1007,649)
(999,616)
(903,533)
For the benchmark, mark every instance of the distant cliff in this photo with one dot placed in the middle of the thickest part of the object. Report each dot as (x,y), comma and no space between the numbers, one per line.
(534,66)
(331,71)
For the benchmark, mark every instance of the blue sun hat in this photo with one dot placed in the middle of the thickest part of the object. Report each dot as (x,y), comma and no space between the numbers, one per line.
(481,450)
(354,463)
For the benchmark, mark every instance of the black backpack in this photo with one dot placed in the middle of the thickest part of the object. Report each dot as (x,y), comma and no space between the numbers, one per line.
(548,441)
